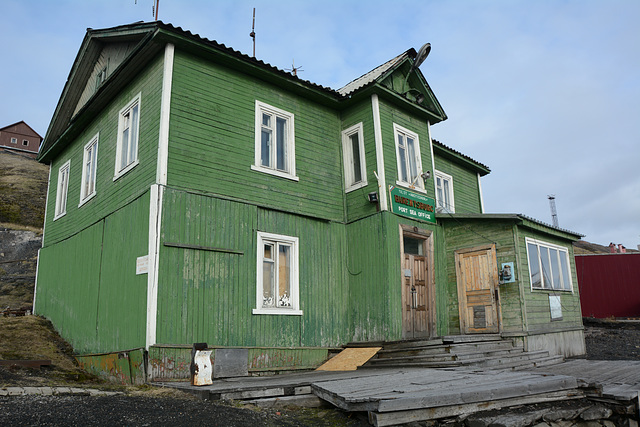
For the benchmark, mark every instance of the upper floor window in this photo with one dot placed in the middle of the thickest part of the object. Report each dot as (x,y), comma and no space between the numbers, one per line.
(444,192)
(61,192)
(101,76)
(355,171)
(277,278)
(548,266)
(128,130)
(89,166)
(408,157)
(25,142)
(14,140)
(274,141)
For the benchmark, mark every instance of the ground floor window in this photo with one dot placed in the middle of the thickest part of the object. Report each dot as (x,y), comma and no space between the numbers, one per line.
(548,266)
(277,275)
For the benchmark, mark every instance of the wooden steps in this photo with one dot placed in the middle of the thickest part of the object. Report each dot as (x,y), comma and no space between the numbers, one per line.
(482,351)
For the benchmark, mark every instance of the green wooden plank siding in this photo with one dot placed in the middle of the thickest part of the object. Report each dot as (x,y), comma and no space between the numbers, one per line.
(110,194)
(537,301)
(389,114)
(87,284)
(357,202)
(208,296)
(212,141)
(466,194)
(68,286)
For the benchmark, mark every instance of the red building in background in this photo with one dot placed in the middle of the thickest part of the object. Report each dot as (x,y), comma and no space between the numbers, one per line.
(20,138)
(609,284)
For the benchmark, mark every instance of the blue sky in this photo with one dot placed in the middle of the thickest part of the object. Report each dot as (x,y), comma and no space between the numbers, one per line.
(546,93)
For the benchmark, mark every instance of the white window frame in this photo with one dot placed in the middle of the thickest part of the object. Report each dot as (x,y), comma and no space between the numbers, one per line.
(62,190)
(350,183)
(418,182)
(293,243)
(440,204)
(131,136)
(14,140)
(89,169)
(561,251)
(290,155)
(25,142)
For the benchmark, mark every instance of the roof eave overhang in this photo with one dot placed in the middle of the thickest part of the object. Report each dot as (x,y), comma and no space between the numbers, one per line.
(478,167)
(519,219)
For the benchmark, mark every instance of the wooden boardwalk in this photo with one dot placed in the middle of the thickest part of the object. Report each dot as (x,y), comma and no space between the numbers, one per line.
(620,379)
(400,395)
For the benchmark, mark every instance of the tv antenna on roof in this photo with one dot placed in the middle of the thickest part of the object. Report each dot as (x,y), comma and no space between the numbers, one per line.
(252,34)
(294,70)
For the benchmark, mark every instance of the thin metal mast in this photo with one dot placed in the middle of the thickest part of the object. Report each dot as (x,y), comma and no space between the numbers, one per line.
(554,213)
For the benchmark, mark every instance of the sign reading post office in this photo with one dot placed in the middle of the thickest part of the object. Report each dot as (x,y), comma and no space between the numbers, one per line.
(412,204)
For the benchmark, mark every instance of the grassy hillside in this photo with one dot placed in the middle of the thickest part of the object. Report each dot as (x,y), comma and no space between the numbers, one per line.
(23,190)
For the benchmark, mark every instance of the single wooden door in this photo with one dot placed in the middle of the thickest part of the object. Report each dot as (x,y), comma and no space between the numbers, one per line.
(415,297)
(477,276)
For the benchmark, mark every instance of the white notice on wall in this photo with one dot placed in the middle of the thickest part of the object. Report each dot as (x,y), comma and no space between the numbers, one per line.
(142,264)
(556,307)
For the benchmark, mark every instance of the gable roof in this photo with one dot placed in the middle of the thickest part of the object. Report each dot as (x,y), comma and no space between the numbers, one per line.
(23,123)
(150,38)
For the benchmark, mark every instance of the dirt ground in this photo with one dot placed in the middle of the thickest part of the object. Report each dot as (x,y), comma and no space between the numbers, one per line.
(144,406)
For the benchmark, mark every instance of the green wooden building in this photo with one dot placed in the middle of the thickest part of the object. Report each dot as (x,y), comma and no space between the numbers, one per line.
(200,195)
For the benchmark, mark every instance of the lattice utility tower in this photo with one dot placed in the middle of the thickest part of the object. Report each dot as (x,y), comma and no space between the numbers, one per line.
(554,213)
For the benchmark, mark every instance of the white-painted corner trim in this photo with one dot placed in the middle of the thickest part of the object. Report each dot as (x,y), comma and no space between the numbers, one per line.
(165,110)
(433,160)
(35,286)
(481,196)
(46,208)
(377,131)
(156,194)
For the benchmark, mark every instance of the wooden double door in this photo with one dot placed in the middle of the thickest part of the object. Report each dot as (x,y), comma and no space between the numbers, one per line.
(477,278)
(418,301)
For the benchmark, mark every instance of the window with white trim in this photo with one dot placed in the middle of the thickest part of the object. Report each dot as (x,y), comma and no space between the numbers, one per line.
(277,275)
(14,140)
(128,132)
(408,157)
(62,189)
(89,167)
(274,141)
(355,170)
(444,192)
(25,142)
(548,266)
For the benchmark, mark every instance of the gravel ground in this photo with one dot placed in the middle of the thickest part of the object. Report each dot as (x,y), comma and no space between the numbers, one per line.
(605,341)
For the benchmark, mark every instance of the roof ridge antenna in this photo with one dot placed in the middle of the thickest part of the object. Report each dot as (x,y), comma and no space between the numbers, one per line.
(554,212)
(294,70)
(252,34)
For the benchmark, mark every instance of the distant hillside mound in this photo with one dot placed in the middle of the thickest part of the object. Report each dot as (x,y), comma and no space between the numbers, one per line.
(582,247)
(23,190)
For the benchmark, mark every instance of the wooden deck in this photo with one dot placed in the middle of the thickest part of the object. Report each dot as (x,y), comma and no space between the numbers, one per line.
(400,395)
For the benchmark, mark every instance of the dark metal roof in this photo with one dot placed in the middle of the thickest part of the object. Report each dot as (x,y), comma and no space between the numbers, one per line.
(507,216)
(456,152)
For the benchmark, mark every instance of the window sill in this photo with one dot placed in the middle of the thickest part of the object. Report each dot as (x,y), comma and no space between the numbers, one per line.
(568,291)
(86,199)
(356,186)
(125,170)
(275,172)
(59,215)
(409,187)
(277,311)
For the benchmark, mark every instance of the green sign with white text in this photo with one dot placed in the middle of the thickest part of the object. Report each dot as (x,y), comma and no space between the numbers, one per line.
(412,204)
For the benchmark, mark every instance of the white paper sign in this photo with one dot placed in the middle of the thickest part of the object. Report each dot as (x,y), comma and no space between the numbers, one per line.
(142,264)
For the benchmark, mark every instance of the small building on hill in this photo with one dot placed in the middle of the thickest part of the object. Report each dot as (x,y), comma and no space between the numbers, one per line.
(200,195)
(20,138)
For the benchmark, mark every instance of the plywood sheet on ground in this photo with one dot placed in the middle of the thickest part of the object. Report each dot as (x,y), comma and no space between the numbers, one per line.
(349,359)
